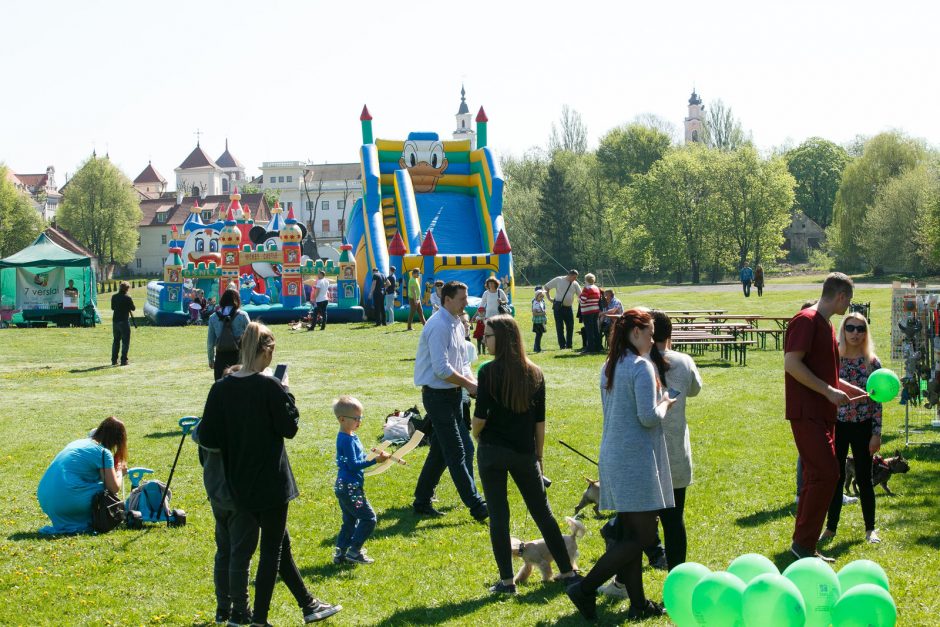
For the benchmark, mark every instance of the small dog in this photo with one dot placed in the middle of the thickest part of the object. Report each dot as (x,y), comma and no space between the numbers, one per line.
(592,494)
(536,553)
(881,470)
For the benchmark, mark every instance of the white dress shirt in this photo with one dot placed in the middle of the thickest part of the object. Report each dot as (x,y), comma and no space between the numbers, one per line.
(441,351)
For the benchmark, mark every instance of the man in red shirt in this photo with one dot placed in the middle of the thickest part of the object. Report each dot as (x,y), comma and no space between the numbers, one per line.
(813,394)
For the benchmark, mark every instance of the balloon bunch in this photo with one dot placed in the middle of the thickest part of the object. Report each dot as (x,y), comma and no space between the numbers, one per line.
(753,592)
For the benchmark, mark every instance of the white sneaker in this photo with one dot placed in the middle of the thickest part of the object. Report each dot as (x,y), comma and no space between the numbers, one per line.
(848,500)
(614,589)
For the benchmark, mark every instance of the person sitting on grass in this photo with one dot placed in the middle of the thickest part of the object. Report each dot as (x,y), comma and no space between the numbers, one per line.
(358,516)
(78,472)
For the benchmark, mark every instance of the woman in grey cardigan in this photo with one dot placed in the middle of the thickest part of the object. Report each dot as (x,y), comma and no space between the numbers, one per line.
(634,466)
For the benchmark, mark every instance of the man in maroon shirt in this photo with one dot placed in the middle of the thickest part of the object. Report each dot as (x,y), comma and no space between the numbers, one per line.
(813,394)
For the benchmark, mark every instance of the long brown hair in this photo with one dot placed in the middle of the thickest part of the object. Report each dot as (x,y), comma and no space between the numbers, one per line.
(662,331)
(112,435)
(620,343)
(514,378)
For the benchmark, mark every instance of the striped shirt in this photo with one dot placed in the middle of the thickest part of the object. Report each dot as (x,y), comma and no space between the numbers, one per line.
(590,300)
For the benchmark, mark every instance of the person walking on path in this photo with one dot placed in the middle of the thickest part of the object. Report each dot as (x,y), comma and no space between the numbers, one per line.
(414,299)
(378,296)
(122,305)
(747,276)
(858,424)
(321,297)
(441,370)
(759,280)
(813,392)
(590,299)
(221,344)
(509,424)
(633,464)
(390,291)
(566,289)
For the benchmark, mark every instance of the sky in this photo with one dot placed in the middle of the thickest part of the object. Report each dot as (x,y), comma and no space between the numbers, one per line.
(286,80)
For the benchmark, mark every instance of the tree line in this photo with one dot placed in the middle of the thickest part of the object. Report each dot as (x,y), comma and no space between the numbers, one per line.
(643,205)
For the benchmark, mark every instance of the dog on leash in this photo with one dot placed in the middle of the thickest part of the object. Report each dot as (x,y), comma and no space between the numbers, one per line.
(592,494)
(536,554)
(881,470)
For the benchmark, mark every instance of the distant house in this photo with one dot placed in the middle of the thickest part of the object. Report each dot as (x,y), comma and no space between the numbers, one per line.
(42,190)
(802,236)
(161,214)
(150,183)
(200,175)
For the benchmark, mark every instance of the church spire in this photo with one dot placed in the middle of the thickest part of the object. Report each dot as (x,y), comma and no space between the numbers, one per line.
(463,101)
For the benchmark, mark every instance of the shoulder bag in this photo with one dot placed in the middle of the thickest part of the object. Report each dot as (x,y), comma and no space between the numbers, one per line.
(107,510)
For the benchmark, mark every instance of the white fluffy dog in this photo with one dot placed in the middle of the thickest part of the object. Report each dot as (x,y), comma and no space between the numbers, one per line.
(536,553)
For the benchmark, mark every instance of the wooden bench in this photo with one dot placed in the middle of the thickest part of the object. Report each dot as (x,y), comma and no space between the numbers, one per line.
(698,343)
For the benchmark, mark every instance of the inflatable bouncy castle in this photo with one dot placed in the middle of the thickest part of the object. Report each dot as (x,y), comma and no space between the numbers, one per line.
(431,204)
(264,263)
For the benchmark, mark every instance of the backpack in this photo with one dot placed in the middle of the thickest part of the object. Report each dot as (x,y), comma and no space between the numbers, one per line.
(145,499)
(226,342)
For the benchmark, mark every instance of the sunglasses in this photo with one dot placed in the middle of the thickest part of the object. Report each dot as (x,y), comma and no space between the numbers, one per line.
(852,328)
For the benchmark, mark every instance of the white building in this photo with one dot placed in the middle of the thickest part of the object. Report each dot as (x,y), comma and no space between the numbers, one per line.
(694,124)
(42,190)
(464,128)
(199,175)
(321,195)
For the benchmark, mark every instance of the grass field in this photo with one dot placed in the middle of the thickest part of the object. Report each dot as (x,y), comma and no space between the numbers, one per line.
(56,385)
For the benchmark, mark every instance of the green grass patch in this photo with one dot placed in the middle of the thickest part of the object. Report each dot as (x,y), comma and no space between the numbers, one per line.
(56,385)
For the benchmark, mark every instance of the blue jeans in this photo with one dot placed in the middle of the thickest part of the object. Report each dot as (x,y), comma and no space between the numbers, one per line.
(451,447)
(390,308)
(358,516)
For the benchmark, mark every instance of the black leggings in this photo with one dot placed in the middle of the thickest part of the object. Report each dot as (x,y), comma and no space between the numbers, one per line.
(858,436)
(673,519)
(497,464)
(624,558)
(275,558)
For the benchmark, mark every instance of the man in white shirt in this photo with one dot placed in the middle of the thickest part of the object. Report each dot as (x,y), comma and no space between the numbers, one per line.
(441,369)
(321,297)
(566,290)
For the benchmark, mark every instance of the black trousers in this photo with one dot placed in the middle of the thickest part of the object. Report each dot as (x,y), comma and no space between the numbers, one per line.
(236,536)
(122,339)
(592,335)
(746,285)
(497,464)
(674,535)
(857,435)
(378,304)
(564,325)
(321,309)
(275,558)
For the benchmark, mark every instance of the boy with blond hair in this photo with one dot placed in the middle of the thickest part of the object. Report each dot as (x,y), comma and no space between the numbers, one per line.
(358,516)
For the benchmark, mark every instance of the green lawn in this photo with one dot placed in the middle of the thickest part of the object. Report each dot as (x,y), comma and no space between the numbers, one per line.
(56,386)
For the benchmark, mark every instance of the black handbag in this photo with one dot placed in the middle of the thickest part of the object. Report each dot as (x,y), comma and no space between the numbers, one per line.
(107,510)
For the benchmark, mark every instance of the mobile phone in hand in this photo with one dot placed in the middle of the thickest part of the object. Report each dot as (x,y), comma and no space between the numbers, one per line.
(280,372)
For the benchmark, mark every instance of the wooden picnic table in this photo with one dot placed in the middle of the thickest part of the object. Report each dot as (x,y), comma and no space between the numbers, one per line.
(698,341)
(688,315)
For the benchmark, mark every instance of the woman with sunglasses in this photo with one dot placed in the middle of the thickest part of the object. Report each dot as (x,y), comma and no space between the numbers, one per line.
(247,416)
(859,423)
(509,422)
(633,464)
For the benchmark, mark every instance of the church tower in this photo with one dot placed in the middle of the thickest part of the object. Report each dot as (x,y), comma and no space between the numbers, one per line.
(464,128)
(694,124)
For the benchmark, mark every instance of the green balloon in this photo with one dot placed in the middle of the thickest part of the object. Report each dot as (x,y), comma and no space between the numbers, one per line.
(717,600)
(677,592)
(865,605)
(883,385)
(819,586)
(750,565)
(862,571)
(772,600)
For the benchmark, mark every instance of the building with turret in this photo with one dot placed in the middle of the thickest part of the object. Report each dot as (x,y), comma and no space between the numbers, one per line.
(695,123)
(464,128)
(200,175)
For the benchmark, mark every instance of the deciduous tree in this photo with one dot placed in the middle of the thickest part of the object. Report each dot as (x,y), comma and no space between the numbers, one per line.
(20,223)
(817,166)
(101,210)
(627,151)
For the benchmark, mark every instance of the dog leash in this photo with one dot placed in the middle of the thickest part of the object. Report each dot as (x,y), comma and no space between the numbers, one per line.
(573,449)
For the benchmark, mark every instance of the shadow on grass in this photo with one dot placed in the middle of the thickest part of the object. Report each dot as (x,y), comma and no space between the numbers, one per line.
(759,518)
(931,541)
(92,369)
(19,536)
(404,522)
(164,434)
(435,615)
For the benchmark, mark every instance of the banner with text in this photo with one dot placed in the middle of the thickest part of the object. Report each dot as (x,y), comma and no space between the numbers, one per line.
(40,290)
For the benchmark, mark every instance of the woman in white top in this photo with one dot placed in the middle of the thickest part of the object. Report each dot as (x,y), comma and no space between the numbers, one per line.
(493,297)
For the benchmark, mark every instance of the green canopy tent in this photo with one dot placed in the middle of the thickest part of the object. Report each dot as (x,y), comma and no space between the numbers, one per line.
(33,285)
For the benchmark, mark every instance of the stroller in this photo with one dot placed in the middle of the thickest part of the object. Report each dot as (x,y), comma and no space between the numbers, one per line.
(150,501)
